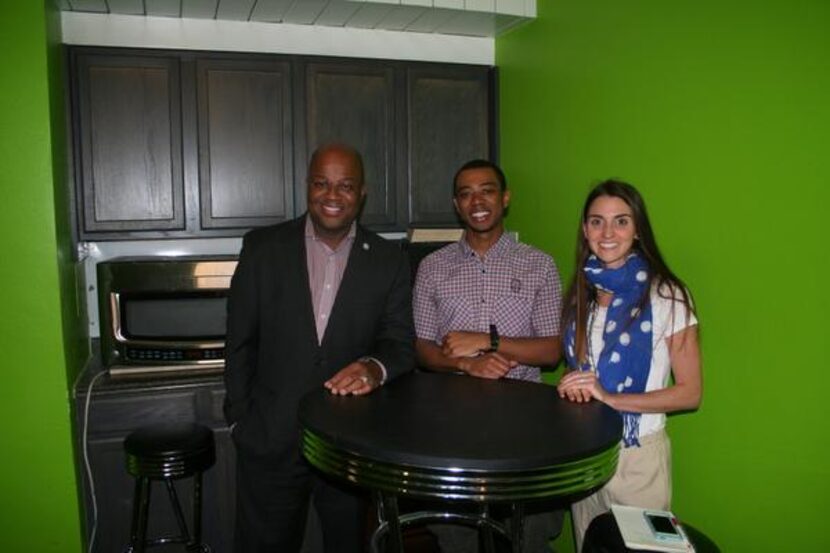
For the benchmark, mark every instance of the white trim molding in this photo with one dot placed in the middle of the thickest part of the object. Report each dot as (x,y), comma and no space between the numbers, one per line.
(91,29)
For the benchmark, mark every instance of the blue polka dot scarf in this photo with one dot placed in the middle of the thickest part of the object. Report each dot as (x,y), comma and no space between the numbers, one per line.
(625,360)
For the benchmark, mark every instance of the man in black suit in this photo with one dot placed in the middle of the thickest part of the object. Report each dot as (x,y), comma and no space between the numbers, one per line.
(317,301)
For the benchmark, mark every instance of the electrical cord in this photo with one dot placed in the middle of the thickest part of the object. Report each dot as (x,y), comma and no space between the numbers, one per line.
(93,532)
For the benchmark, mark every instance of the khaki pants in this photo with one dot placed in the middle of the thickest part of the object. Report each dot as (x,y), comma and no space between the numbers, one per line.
(642,479)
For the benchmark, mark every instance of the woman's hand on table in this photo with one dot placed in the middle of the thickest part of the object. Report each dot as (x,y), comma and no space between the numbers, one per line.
(581,387)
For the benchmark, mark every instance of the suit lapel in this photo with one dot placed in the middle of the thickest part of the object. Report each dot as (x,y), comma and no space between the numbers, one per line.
(298,267)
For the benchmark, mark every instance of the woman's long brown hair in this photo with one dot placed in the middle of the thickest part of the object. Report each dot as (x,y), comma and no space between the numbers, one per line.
(581,295)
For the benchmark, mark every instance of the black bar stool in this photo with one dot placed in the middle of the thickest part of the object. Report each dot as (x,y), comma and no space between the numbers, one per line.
(603,536)
(168,452)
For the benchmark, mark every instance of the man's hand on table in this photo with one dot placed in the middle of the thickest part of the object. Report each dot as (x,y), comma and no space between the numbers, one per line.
(489,365)
(464,344)
(358,378)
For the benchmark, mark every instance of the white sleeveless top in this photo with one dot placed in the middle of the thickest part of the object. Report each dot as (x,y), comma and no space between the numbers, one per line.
(668,317)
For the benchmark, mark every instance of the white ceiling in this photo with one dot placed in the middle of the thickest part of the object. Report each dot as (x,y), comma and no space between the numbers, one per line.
(482,18)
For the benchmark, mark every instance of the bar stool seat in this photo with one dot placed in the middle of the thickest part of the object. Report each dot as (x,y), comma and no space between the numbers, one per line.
(168,452)
(603,536)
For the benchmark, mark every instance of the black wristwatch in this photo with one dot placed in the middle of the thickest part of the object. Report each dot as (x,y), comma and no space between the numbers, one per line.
(494,338)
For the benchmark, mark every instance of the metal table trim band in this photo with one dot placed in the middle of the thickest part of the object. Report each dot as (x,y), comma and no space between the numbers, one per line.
(457,483)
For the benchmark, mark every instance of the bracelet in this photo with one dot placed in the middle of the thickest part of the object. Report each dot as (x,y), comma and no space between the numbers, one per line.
(366,360)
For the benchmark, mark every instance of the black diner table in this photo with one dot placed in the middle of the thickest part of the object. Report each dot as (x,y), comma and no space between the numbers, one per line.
(459,439)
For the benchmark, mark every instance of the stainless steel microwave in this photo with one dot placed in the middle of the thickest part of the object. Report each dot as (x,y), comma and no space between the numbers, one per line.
(164,314)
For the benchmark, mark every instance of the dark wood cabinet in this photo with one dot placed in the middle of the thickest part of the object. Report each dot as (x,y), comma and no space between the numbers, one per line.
(199,144)
(128,121)
(414,123)
(449,121)
(354,103)
(245,142)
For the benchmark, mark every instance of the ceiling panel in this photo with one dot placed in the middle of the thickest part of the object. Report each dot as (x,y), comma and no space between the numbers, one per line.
(480,5)
(127,7)
(400,17)
(270,10)
(484,18)
(370,15)
(235,10)
(199,9)
(337,14)
(511,7)
(304,12)
(163,8)
(99,6)
(431,20)
(450,4)
(469,23)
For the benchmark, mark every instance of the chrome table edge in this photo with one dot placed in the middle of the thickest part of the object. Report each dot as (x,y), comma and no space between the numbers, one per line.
(456,483)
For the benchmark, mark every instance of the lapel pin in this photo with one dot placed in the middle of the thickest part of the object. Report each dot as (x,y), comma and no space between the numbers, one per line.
(366,246)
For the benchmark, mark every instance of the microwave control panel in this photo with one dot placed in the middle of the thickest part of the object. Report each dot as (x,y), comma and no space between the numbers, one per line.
(167,355)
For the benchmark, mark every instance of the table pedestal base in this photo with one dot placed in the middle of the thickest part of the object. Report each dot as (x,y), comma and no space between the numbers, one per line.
(391,524)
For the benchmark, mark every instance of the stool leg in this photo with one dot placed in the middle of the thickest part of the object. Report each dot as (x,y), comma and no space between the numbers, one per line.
(195,543)
(517,528)
(485,532)
(141,503)
(177,510)
(394,538)
(382,527)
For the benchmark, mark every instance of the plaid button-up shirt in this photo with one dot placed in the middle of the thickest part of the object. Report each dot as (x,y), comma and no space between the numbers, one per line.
(514,286)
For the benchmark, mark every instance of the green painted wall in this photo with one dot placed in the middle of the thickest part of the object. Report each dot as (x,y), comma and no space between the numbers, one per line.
(39,508)
(720,113)
(74,321)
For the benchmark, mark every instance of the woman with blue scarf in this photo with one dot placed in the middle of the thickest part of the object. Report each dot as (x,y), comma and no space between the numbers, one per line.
(629,325)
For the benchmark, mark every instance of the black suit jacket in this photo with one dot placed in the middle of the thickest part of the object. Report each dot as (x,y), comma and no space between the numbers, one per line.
(272,354)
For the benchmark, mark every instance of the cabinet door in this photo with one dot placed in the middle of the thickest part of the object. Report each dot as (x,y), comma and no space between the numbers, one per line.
(449,115)
(113,489)
(130,154)
(245,144)
(219,508)
(354,103)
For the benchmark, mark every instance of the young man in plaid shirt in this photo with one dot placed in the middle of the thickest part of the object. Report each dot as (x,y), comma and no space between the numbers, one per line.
(489,307)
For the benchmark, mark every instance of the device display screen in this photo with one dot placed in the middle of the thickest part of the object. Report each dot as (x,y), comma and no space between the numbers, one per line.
(175,316)
(661,524)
